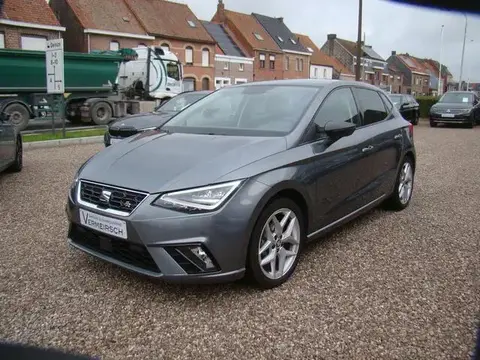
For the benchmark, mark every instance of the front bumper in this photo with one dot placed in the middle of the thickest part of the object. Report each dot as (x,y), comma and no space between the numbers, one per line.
(457,119)
(158,239)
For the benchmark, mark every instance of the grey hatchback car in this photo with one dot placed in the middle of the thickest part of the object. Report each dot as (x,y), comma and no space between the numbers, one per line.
(236,183)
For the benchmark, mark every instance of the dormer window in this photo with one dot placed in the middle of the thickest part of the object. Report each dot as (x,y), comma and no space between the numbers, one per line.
(293,41)
(191,23)
(279,38)
(258,36)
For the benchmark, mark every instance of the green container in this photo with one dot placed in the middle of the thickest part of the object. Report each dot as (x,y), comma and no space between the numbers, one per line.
(24,71)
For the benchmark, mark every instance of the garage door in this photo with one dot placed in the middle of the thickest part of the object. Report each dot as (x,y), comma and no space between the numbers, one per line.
(33,43)
(188,84)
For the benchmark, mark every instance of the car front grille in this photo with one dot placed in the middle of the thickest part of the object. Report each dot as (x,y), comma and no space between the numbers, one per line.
(129,253)
(108,197)
(123,132)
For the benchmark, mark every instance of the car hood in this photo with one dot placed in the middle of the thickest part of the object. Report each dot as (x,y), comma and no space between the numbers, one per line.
(142,121)
(446,106)
(155,161)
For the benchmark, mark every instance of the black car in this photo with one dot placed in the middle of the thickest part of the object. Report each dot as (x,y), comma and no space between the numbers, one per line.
(131,125)
(11,149)
(456,107)
(407,106)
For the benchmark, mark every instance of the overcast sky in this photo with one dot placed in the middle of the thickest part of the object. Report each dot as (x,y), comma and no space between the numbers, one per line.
(388,26)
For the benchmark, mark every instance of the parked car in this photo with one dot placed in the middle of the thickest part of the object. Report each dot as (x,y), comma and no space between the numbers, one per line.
(408,107)
(456,107)
(131,125)
(237,183)
(11,148)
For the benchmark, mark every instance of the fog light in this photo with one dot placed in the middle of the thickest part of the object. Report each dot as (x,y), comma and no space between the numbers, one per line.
(202,255)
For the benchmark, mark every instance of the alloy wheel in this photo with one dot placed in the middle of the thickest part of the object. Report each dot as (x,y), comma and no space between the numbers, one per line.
(279,243)
(405,185)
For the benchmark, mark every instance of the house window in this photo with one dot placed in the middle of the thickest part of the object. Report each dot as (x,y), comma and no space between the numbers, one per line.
(287,63)
(272,62)
(262,61)
(240,81)
(205,83)
(301,64)
(189,55)
(165,46)
(189,84)
(2,41)
(241,67)
(324,73)
(114,45)
(33,43)
(205,57)
(293,41)
(297,64)
(226,66)
(191,23)
(258,36)
(279,38)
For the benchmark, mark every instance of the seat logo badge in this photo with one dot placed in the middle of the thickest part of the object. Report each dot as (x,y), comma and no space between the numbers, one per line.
(105,196)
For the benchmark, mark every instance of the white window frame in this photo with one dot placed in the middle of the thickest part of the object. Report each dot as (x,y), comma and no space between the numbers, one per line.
(258,36)
(205,58)
(112,43)
(241,67)
(280,38)
(2,40)
(241,81)
(37,48)
(189,55)
(226,65)
(191,23)
(224,81)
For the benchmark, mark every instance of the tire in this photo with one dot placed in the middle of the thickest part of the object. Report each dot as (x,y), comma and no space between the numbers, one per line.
(415,120)
(18,163)
(471,124)
(433,124)
(262,276)
(19,116)
(101,113)
(396,201)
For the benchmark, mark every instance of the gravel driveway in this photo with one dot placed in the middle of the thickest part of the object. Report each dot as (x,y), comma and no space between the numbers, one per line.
(389,286)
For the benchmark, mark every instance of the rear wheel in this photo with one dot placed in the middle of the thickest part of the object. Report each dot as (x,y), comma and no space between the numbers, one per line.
(402,193)
(276,243)
(101,113)
(18,163)
(19,115)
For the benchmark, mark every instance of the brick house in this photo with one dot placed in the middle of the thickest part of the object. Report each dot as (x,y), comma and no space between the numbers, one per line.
(322,66)
(446,75)
(246,31)
(27,24)
(373,67)
(231,64)
(113,24)
(416,80)
(395,80)
(296,58)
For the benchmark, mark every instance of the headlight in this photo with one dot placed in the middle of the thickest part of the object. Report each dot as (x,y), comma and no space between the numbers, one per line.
(150,128)
(206,198)
(465,111)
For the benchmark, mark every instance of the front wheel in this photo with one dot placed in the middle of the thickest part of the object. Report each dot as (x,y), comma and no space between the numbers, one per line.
(18,163)
(101,113)
(433,123)
(402,193)
(276,243)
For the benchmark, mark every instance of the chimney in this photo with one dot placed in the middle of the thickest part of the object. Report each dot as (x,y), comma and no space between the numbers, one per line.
(394,53)
(280,19)
(221,12)
(331,43)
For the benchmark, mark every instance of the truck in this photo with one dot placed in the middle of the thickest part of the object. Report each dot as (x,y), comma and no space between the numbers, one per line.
(98,86)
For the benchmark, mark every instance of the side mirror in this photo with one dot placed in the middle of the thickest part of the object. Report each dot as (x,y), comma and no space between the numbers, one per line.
(337,130)
(404,105)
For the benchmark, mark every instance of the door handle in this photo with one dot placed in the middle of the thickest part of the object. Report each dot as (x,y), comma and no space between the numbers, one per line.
(398,136)
(368,148)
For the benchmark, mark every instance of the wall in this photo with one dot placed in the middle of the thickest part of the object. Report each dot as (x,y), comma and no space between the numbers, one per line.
(334,49)
(323,72)
(420,84)
(233,71)
(292,72)
(74,38)
(407,75)
(102,42)
(195,71)
(13,35)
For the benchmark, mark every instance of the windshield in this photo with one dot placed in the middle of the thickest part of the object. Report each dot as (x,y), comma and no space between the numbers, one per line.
(459,98)
(180,102)
(266,110)
(396,99)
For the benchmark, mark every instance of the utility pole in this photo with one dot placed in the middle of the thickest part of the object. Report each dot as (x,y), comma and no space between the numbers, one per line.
(463,54)
(469,73)
(359,41)
(440,79)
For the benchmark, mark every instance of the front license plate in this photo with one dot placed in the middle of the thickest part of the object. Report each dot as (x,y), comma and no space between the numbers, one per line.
(448,115)
(104,224)
(114,141)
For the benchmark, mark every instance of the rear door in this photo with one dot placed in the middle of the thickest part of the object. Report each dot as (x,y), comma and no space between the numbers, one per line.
(383,142)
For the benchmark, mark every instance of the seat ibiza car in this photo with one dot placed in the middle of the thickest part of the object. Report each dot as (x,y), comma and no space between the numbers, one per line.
(134,124)
(236,184)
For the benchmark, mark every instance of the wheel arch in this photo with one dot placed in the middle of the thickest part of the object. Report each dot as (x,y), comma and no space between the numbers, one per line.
(10,101)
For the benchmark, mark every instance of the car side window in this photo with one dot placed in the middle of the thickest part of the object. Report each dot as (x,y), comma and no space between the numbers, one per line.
(339,106)
(371,106)
(388,103)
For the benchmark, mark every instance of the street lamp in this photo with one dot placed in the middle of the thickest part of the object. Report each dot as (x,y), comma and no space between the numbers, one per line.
(440,85)
(463,54)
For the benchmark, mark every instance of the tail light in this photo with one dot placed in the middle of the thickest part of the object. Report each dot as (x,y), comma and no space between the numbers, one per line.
(410,130)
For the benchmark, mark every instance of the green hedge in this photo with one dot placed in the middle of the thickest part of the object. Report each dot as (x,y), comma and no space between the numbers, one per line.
(426,102)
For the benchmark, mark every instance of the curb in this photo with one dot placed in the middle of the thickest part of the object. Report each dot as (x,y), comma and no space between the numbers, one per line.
(63,142)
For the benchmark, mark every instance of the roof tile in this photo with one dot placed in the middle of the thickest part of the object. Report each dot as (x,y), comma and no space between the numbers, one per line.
(30,11)
(109,15)
(248,25)
(318,56)
(169,19)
